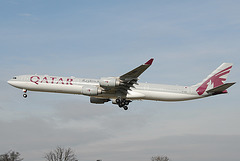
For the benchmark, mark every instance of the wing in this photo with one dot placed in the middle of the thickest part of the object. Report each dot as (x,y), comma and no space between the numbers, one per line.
(121,85)
(129,79)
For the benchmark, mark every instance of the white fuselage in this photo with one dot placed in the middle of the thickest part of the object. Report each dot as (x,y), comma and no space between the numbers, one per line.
(72,85)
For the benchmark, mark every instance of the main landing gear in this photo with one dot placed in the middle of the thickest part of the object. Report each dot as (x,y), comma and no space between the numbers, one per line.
(122,103)
(24,93)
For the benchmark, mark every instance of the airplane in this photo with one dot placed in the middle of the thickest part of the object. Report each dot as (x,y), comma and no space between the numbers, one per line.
(124,89)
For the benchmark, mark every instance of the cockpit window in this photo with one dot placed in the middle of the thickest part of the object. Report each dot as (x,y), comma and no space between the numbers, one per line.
(14,77)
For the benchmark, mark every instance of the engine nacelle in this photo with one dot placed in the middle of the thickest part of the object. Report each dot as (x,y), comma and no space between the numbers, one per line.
(91,90)
(98,100)
(109,82)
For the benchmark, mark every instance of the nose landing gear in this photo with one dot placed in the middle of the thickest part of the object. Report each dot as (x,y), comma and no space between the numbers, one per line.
(24,93)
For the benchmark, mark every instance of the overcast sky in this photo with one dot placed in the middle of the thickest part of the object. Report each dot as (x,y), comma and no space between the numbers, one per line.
(93,39)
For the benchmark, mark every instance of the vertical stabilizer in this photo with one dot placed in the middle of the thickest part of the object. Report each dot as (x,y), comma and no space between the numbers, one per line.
(215,79)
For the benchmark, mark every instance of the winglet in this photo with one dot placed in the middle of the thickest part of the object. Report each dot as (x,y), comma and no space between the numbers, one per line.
(149,62)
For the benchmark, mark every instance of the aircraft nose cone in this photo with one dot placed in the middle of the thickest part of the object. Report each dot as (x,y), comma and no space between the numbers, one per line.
(14,83)
(10,82)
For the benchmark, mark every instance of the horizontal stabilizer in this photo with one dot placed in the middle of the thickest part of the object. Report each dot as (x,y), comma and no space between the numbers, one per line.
(220,89)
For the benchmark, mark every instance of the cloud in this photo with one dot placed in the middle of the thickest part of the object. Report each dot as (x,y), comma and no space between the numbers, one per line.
(176,147)
(33,137)
(108,118)
(40,135)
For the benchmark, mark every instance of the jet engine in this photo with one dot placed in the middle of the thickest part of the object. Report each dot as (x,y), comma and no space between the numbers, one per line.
(98,100)
(91,90)
(109,82)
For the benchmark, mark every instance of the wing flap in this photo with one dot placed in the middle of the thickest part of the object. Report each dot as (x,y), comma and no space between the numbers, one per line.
(220,89)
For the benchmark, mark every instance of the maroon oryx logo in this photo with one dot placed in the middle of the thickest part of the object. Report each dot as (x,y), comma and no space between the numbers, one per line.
(216,80)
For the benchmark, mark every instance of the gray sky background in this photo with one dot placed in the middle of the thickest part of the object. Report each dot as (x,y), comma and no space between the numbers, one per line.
(92,39)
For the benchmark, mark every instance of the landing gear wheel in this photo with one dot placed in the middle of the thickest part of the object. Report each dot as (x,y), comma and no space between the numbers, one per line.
(118,101)
(25,95)
(122,103)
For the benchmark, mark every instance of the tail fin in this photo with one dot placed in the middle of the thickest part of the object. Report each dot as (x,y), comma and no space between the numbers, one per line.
(215,79)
